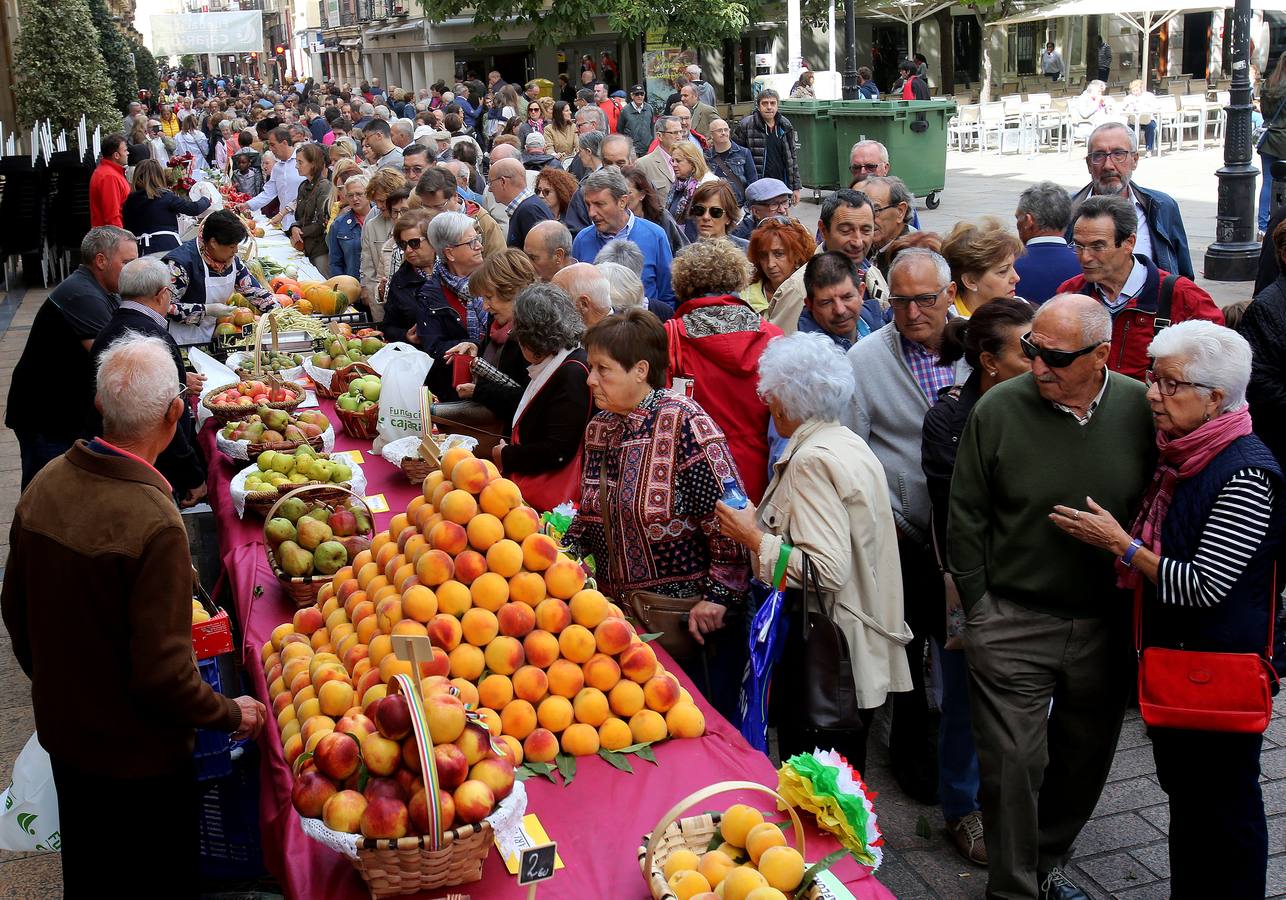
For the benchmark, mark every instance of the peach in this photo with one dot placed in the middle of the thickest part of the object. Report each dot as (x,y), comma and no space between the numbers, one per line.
(529,683)
(589,608)
(479,626)
(505,558)
(388,612)
(453,768)
(591,707)
(419,812)
(446,717)
(520,522)
(473,800)
(351,603)
(419,603)
(373,693)
(601,672)
(647,726)
(397,523)
(555,713)
(439,492)
(458,506)
(516,619)
(518,719)
(782,867)
(565,678)
(761,837)
(576,642)
(496,773)
(434,684)
(528,588)
(685,720)
(335,697)
(505,655)
(540,746)
(308,620)
(541,648)
(368,627)
(552,615)
(580,740)
(292,747)
(469,475)
(355,724)
(391,665)
(343,812)
(539,552)
(425,518)
(275,687)
(489,591)
(484,530)
(335,617)
(386,553)
(367,681)
(499,497)
(345,581)
(368,572)
(397,562)
(612,636)
(495,691)
(466,690)
(491,719)
(467,662)
(430,483)
(439,665)
(661,692)
(337,754)
(445,631)
(492,472)
(453,598)
(452,458)
(435,566)
(564,579)
(470,565)
(380,754)
(614,734)
(513,749)
(638,663)
(449,537)
(687,885)
(385,817)
(310,793)
(475,743)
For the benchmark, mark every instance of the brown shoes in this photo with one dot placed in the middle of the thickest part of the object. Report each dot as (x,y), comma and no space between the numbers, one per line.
(966,835)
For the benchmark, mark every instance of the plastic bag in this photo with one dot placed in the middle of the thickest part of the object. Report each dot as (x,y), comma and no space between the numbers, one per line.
(29,806)
(216,374)
(402,370)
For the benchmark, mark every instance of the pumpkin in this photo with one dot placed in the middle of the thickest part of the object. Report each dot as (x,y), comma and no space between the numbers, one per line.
(326,300)
(284,300)
(304,307)
(348,286)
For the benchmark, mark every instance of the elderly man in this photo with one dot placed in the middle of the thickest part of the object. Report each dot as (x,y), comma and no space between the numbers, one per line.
(898,379)
(107,186)
(101,515)
(436,191)
(607,105)
(55,360)
(729,160)
(589,289)
(535,155)
(283,184)
(705,93)
(377,139)
(834,303)
(1141,297)
(508,183)
(658,166)
(1048,631)
(772,143)
(848,227)
(145,301)
(1112,154)
(1043,215)
(549,247)
(892,204)
(402,132)
(607,197)
(867,158)
(702,113)
(765,197)
(636,120)
(684,115)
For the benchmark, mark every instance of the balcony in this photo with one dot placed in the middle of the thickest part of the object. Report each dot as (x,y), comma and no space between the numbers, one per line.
(374,10)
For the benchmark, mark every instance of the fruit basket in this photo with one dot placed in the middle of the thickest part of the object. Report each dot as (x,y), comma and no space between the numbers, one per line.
(299,570)
(272,392)
(357,405)
(276,360)
(340,350)
(245,439)
(694,833)
(257,497)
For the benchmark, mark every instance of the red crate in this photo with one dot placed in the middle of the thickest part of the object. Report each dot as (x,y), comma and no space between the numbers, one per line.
(212,637)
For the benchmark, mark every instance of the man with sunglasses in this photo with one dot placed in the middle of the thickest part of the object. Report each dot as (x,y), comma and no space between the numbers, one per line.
(1112,154)
(1047,623)
(1141,297)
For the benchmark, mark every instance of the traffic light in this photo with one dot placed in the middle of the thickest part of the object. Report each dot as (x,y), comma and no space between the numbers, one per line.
(281,50)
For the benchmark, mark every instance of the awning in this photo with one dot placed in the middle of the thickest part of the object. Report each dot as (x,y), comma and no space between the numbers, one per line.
(350,43)
(396,28)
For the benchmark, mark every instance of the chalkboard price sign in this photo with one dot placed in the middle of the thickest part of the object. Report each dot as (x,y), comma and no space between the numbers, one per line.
(537,863)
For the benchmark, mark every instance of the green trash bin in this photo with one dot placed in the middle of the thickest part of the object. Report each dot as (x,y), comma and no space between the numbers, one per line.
(914,131)
(812,122)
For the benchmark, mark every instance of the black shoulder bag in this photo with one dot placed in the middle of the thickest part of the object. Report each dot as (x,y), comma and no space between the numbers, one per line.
(825,666)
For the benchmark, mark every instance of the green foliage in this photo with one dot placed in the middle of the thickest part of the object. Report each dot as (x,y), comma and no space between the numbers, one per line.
(58,76)
(116,54)
(145,70)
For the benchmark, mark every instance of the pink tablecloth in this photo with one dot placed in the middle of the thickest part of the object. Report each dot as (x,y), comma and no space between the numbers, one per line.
(598,822)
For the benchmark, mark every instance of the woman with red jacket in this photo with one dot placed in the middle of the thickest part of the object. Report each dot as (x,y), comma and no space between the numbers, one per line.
(716,340)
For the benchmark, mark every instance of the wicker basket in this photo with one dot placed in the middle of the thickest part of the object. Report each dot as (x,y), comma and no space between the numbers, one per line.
(417,468)
(362,426)
(694,833)
(340,379)
(225,413)
(393,868)
(303,589)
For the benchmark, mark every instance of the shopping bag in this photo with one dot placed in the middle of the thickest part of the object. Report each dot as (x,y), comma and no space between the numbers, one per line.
(767,637)
(29,806)
(402,369)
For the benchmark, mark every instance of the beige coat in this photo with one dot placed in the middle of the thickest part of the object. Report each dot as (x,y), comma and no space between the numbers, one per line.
(828,498)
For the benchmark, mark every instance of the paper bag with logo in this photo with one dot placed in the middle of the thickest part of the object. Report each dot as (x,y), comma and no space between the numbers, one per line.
(402,370)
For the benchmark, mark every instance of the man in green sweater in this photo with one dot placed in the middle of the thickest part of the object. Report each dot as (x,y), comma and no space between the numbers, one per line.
(1045,620)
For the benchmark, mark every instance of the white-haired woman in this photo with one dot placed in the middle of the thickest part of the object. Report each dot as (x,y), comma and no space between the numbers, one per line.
(1202,552)
(827,500)
(448,312)
(627,287)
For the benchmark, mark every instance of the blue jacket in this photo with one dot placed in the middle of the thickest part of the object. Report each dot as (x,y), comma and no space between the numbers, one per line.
(869,90)
(1043,268)
(1169,239)
(345,244)
(657,258)
(735,166)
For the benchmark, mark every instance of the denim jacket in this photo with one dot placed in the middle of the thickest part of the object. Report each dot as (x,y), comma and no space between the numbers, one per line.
(1169,239)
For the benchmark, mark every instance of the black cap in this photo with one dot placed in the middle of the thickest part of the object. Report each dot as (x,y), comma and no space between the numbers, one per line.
(638,89)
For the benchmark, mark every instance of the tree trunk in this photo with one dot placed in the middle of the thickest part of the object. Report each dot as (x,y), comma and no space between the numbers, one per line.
(984,95)
(947,50)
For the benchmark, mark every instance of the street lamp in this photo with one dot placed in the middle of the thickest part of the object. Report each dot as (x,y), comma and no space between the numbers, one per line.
(1234,256)
(848,86)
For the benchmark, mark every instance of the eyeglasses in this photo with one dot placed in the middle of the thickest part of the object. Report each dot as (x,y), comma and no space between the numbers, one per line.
(412,243)
(1055,359)
(924,301)
(1095,248)
(876,210)
(716,212)
(1098,157)
(183,392)
(1170,386)
(475,242)
(868,168)
(668,131)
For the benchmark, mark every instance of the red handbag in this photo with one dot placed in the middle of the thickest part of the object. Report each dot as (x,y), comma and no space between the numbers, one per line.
(1205,691)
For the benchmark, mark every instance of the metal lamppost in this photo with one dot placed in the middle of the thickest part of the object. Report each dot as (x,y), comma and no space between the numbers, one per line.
(849,84)
(1234,256)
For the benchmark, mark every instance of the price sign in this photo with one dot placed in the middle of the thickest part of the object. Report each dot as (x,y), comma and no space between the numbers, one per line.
(377,503)
(354,457)
(537,863)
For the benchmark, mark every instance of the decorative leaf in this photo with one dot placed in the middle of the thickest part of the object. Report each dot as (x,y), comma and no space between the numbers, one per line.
(786,826)
(634,748)
(647,638)
(922,828)
(301,759)
(363,776)
(715,840)
(645,753)
(566,767)
(617,760)
(816,869)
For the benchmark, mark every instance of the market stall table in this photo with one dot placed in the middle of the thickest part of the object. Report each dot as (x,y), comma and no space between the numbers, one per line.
(598,821)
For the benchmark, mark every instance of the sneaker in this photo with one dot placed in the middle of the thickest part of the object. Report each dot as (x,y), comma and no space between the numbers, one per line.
(1055,885)
(966,835)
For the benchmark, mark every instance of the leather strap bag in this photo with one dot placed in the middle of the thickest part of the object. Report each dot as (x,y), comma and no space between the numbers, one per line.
(1205,691)
(827,690)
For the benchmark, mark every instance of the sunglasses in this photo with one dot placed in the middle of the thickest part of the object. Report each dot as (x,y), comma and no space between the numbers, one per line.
(869,168)
(413,244)
(1055,359)
(716,212)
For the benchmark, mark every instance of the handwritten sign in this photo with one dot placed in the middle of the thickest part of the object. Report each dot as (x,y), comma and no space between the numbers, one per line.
(531,834)
(537,863)
(377,503)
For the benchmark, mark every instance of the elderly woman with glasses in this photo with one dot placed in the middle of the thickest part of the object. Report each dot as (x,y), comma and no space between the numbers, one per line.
(1201,556)
(827,504)
(449,313)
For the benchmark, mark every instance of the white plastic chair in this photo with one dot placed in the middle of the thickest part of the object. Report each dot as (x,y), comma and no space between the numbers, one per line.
(966,123)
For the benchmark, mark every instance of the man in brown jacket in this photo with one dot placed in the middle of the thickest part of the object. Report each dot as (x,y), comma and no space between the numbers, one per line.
(97,600)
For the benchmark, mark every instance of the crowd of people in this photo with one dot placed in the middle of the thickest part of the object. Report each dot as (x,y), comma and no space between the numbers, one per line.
(977,450)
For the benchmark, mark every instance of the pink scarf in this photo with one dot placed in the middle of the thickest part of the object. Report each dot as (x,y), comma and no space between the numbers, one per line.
(1181,458)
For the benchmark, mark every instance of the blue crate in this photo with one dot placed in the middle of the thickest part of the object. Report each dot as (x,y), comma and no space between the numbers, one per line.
(230,845)
(213,751)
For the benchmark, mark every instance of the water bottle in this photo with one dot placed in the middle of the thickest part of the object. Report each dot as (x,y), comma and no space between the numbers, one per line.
(733,495)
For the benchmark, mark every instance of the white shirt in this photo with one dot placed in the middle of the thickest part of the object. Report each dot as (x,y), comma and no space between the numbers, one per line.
(1143,240)
(1051,62)
(1133,284)
(282,185)
(1046,239)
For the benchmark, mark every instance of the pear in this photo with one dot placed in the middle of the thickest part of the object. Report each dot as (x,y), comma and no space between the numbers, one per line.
(341,473)
(294,560)
(277,420)
(313,533)
(265,460)
(321,514)
(292,433)
(293,509)
(372,345)
(322,469)
(279,530)
(283,463)
(298,478)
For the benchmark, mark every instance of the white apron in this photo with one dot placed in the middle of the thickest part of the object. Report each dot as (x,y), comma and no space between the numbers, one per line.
(218,289)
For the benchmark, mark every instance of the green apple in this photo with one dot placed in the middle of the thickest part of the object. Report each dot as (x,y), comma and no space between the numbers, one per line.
(371,388)
(347,402)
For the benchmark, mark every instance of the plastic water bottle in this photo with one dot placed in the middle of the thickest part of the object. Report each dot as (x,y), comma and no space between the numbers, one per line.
(733,495)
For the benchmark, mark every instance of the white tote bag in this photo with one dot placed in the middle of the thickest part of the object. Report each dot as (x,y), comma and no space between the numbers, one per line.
(29,806)
(402,369)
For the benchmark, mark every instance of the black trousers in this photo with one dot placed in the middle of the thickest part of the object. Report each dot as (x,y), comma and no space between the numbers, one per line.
(100,818)
(1212,779)
(718,671)
(913,734)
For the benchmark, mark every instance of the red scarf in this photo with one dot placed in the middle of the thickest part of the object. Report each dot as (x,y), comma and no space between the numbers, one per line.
(500,333)
(1181,458)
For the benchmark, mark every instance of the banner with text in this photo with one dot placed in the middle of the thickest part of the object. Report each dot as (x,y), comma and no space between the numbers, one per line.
(215,32)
